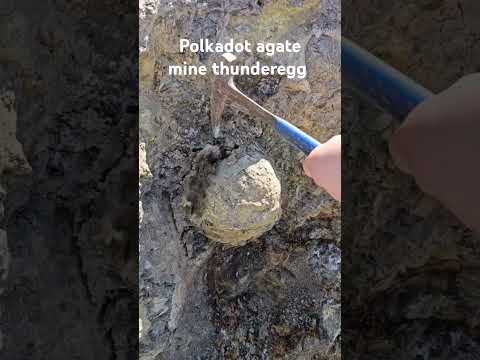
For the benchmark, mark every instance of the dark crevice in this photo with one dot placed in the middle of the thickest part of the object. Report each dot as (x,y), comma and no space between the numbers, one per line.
(111,342)
(77,252)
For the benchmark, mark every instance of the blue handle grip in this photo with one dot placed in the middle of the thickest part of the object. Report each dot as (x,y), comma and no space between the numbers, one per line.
(296,136)
(385,86)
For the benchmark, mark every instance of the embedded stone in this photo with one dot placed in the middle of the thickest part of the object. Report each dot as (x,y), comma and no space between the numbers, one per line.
(242,201)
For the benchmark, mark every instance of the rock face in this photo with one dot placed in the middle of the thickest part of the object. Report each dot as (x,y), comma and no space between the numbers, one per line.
(12,163)
(272,297)
(68,105)
(12,158)
(243,200)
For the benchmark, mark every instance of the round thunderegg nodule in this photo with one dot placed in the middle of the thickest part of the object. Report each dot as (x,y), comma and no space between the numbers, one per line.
(242,201)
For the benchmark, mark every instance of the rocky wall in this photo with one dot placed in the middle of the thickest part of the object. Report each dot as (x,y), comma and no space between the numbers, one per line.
(68,119)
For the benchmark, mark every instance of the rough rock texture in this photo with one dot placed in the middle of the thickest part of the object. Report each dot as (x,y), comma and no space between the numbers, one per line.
(412,284)
(278,296)
(72,258)
(12,158)
(12,164)
(242,201)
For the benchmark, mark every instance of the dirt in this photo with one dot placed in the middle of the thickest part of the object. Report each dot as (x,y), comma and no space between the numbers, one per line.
(196,183)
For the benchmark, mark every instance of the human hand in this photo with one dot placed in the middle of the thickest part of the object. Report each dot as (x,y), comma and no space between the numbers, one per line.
(439,144)
(323,165)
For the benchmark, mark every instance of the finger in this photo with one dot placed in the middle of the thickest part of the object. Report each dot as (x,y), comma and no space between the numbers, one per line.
(399,149)
(305,165)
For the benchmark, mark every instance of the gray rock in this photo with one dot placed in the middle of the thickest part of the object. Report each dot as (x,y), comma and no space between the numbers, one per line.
(242,201)
(4,256)
(68,221)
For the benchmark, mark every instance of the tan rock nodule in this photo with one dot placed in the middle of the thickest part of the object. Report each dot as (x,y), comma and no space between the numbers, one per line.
(242,201)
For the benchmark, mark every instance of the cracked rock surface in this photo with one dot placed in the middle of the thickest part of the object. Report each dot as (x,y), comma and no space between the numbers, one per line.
(13,163)
(71,259)
(278,296)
